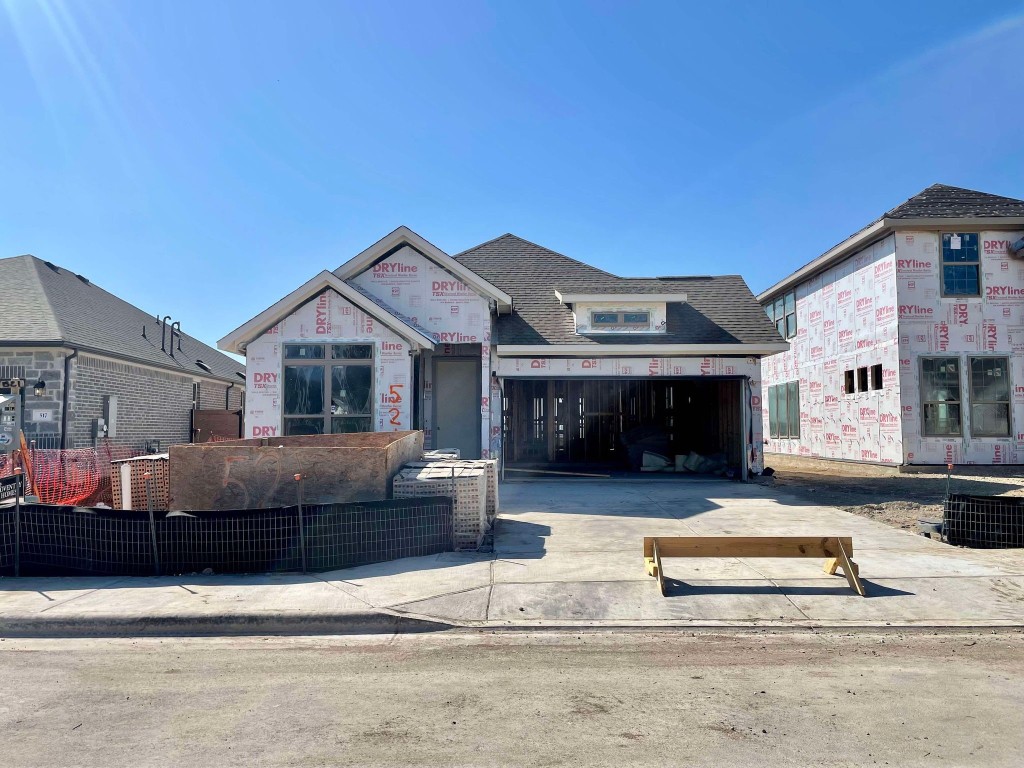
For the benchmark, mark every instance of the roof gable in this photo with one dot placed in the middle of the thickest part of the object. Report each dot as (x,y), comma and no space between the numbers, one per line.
(405,237)
(237,340)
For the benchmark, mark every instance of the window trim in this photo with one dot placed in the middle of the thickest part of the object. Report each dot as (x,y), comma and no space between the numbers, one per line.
(973,402)
(327,362)
(942,266)
(959,401)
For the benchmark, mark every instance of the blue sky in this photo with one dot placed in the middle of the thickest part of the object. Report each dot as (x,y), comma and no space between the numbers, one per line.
(203,159)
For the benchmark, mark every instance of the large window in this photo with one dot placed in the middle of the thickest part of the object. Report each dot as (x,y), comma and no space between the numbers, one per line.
(782,312)
(990,397)
(940,396)
(328,388)
(784,410)
(961,270)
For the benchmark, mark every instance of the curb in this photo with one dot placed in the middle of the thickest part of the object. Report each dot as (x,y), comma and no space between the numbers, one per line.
(233,624)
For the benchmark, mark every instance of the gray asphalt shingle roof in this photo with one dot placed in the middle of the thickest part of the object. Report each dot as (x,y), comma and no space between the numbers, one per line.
(942,201)
(717,310)
(46,304)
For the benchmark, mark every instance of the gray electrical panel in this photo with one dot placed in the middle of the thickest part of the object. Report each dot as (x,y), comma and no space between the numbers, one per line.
(10,421)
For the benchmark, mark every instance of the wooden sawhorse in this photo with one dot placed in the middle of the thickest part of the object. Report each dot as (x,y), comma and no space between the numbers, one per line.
(837,549)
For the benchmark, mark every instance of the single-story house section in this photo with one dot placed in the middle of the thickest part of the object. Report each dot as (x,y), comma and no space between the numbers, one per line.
(97,367)
(512,351)
(907,339)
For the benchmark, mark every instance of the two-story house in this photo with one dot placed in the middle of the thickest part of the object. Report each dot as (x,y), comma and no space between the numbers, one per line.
(906,339)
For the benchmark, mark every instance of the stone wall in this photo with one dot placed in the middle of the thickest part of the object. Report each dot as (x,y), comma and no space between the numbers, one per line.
(42,414)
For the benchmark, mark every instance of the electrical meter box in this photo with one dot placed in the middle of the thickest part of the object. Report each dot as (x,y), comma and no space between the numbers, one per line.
(10,421)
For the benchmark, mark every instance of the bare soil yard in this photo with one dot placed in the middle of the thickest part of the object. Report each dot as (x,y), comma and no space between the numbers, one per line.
(899,500)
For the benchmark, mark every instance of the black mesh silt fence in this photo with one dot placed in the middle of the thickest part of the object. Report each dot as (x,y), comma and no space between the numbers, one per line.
(343,535)
(105,542)
(984,522)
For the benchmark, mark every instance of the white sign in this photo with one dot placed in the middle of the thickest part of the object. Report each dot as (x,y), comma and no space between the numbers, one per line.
(42,415)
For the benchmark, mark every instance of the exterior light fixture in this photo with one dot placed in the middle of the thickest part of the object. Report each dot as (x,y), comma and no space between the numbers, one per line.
(40,388)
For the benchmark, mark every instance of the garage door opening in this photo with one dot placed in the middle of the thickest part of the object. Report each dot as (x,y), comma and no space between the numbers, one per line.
(607,424)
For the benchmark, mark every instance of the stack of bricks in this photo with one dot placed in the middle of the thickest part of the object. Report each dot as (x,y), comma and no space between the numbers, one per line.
(467,485)
(128,483)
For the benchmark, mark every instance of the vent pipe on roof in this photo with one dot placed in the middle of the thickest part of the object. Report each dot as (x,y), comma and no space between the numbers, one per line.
(163,333)
(175,329)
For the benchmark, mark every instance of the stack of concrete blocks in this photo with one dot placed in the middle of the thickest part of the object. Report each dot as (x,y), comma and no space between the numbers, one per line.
(465,482)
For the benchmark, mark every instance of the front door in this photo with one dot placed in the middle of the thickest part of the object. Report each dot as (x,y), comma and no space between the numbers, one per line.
(457,405)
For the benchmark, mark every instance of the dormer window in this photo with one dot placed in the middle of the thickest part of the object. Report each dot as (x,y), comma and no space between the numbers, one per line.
(614,319)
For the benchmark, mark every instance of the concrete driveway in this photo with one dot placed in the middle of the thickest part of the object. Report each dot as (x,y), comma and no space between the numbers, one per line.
(569,552)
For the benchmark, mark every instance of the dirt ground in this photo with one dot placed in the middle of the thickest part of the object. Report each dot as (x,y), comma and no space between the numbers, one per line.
(899,500)
(517,699)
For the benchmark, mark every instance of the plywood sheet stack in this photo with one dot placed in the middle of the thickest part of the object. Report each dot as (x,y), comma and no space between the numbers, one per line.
(466,485)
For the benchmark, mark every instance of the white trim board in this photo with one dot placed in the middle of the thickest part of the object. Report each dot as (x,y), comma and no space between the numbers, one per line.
(638,350)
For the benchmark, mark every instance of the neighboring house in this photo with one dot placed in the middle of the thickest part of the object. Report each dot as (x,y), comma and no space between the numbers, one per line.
(512,351)
(907,339)
(109,368)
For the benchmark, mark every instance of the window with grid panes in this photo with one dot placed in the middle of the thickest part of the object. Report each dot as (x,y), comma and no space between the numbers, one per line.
(328,388)
(961,268)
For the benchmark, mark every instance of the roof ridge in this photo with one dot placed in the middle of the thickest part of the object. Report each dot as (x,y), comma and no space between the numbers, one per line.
(541,247)
(38,264)
(481,245)
(951,188)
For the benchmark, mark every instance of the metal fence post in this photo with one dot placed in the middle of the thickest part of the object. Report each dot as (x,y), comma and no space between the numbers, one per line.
(302,530)
(18,490)
(148,477)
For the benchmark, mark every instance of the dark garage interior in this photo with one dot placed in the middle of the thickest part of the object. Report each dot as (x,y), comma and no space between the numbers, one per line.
(607,424)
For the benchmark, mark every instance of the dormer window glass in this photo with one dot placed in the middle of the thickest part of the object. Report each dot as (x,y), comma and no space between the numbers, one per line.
(606,319)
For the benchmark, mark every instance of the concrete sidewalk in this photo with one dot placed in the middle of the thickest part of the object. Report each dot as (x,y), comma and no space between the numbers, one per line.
(567,553)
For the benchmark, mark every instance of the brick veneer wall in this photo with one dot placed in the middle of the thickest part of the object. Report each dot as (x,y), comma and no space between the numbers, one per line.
(152,404)
(211,395)
(48,365)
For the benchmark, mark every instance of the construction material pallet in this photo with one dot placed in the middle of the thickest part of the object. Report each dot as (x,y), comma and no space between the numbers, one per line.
(489,465)
(467,487)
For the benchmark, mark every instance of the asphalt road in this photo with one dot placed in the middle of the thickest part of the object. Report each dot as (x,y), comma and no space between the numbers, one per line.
(514,699)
